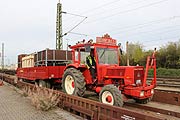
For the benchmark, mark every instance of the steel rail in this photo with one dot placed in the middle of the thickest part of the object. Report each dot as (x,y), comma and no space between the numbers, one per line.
(86,108)
(154,109)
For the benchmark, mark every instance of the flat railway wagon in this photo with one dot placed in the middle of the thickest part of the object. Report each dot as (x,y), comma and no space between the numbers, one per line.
(114,83)
(45,67)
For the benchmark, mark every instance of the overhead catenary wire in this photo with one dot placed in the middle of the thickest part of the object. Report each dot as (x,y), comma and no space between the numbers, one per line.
(138,26)
(147,32)
(104,11)
(149,43)
(101,6)
(80,34)
(161,39)
(126,11)
(76,24)
(157,40)
(74,14)
(148,24)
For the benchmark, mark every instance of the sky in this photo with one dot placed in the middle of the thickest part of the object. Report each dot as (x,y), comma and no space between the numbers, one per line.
(30,26)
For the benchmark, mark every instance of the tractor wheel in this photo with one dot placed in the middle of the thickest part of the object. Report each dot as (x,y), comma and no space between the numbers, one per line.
(143,101)
(42,83)
(48,84)
(73,82)
(111,95)
(20,79)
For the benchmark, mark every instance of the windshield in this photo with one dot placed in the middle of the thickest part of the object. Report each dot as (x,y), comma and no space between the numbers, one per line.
(107,56)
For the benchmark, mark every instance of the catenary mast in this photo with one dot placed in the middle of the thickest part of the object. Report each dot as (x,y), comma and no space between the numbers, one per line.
(59,40)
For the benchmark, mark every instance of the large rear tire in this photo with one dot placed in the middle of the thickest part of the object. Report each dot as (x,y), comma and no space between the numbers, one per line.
(111,95)
(73,82)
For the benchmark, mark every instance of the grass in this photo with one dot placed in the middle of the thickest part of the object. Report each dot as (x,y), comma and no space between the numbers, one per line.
(42,99)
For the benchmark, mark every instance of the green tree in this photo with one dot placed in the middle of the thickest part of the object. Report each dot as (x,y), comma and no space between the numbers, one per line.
(178,52)
(145,55)
(169,55)
(161,57)
(136,53)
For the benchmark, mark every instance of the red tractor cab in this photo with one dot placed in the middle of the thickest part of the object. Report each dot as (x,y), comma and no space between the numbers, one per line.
(114,83)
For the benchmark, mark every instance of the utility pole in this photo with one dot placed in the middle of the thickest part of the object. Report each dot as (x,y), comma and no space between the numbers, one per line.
(2,56)
(59,41)
(67,50)
(127,53)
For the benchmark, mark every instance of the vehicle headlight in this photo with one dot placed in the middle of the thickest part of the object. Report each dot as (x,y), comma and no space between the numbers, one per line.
(141,93)
(138,82)
(152,91)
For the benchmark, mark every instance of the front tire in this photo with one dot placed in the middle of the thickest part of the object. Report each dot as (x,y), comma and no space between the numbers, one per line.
(73,82)
(111,95)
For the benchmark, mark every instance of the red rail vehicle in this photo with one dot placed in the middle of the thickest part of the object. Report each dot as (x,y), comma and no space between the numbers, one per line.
(114,84)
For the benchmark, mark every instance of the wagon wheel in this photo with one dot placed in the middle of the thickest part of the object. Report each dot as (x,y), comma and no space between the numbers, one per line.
(73,82)
(111,95)
(42,83)
(48,84)
(20,79)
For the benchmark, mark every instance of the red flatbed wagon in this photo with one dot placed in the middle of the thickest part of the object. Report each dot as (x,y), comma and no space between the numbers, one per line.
(41,72)
(43,66)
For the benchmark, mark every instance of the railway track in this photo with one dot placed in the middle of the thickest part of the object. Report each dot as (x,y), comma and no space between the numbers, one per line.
(167,82)
(9,72)
(91,109)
